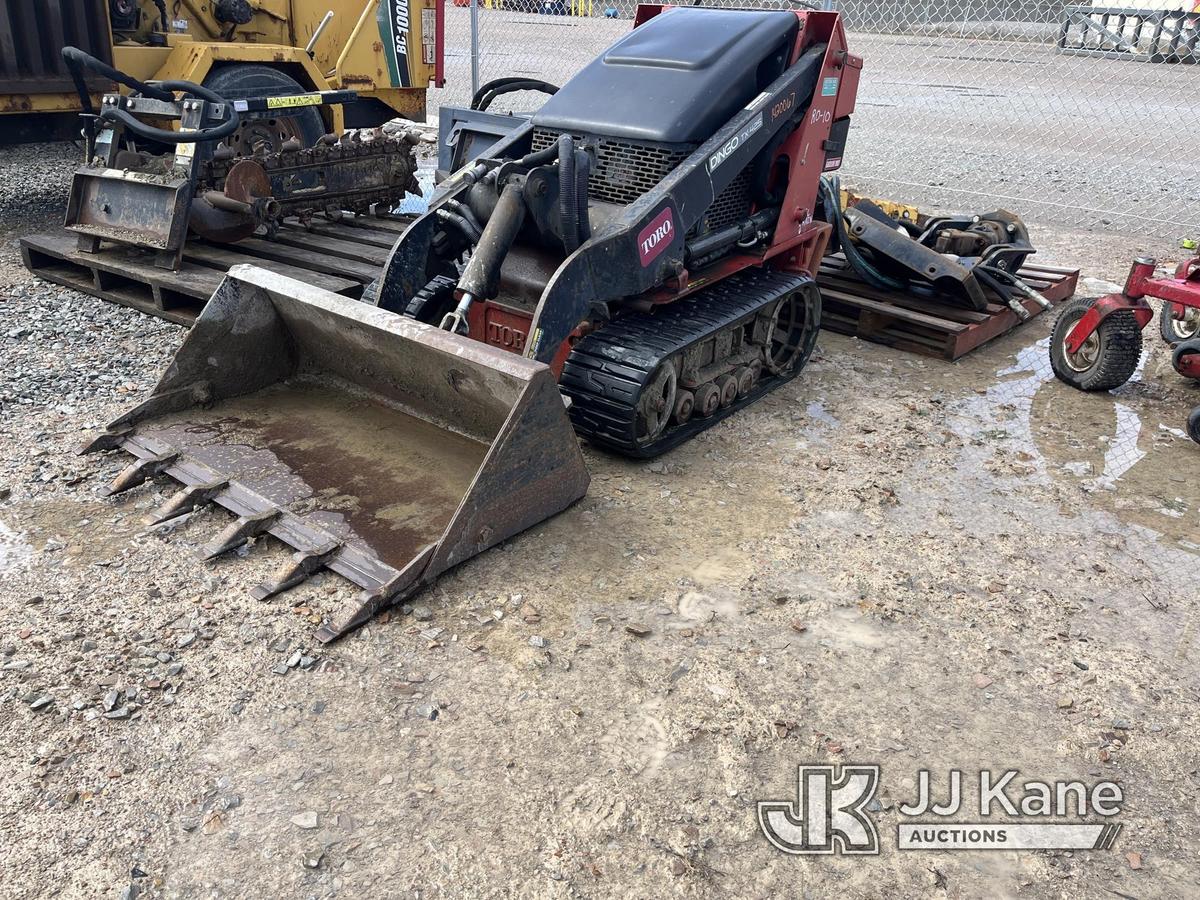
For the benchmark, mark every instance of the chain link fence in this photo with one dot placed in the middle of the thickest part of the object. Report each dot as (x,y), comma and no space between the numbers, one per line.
(1071,115)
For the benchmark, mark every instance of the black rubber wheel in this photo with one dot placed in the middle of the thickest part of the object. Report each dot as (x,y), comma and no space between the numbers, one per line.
(1106,360)
(1193,425)
(237,82)
(708,400)
(1176,331)
(685,405)
(1182,352)
(433,301)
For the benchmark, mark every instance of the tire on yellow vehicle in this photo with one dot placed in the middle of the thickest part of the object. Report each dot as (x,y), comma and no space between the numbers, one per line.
(271,129)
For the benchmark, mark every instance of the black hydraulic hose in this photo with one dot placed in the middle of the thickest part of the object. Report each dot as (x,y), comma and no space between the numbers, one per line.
(190,87)
(992,283)
(1003,276)
(485,95)
(583,169)
(453,218)
(461,209)
(540,157)
(77,60)
(1018,284)
(982,276)
(831,195)
(150,133)
(162,12)
(568,205)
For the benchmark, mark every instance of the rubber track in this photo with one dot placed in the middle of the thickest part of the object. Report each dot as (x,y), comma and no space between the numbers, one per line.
(607,370)
(436,291)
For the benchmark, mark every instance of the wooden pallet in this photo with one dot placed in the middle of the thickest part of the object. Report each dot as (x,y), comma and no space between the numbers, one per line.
(341,257)
(344,256)
(920,321)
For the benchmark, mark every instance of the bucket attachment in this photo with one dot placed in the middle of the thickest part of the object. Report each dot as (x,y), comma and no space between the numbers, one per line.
(376,446)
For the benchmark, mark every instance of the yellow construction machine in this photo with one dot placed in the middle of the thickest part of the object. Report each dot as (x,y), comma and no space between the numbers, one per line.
(387,51)
(219,118)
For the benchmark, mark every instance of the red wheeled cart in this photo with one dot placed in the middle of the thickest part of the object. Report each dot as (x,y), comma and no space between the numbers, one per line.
(1096,343)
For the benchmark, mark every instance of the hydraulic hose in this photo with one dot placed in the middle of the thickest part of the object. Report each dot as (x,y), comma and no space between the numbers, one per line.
(1001,291)
(485,95)
(77,60)
(190,87)
(150,133)
(1006,277)
(464,211)
(540,157)
(452,218)
(993,284)
(568,201)
(831,194)
(583,169)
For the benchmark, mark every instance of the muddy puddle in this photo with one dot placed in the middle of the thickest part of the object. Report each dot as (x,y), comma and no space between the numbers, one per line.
(14,549)
(1123,449)
(821,416)
(353,465)
(74,532)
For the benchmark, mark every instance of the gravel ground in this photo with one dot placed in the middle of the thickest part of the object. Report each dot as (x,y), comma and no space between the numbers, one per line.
(892,560)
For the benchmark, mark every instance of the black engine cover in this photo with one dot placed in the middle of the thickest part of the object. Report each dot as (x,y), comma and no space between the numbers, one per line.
(677,78)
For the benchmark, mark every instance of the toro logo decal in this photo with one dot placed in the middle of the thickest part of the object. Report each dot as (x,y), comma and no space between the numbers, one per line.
(656,237)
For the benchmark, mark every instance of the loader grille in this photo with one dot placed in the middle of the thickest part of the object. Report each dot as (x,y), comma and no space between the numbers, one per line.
(731,205)
(624,170)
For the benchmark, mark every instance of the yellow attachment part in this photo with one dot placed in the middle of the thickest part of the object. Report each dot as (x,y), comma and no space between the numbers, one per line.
(901,212)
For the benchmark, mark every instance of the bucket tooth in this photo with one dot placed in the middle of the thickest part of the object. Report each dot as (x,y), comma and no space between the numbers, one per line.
(237,533)
(137,473)
(185,501)
(368,603)
(301,566)
(106,440)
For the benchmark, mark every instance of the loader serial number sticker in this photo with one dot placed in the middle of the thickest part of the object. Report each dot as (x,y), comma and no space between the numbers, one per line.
(829,87)
(656,237)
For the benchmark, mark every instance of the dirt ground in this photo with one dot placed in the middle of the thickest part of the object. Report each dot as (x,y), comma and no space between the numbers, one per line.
(892,560)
